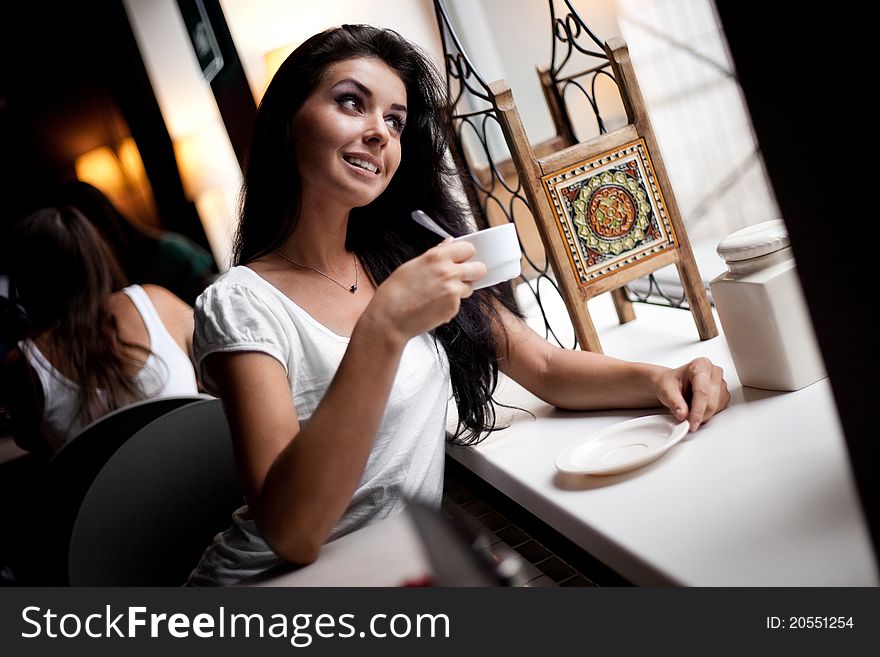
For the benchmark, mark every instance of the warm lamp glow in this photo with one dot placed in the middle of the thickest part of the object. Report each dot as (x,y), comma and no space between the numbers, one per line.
(130,158)
(121,176)
(204,162)
(189,161)
(211,179)
(101,168)
(275,58)
(215,210)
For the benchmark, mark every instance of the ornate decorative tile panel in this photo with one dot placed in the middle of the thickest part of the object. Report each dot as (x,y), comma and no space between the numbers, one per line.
(610,212)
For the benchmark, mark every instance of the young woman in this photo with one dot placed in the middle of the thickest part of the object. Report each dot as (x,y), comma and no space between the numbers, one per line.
(87,349)
(334,341)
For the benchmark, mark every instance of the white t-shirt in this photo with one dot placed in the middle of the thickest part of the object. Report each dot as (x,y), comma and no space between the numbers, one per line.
(241,311)
(167,372)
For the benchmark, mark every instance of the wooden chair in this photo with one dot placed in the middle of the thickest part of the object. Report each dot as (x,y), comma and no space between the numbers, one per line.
(605,209)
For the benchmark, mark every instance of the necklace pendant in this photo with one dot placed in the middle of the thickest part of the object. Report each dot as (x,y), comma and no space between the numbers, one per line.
(353,288)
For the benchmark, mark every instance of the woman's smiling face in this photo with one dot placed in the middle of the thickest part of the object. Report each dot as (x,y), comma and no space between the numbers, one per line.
(348,131)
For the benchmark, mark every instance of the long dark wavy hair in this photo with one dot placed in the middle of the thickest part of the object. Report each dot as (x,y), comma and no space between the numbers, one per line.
(381,233)
(62,273)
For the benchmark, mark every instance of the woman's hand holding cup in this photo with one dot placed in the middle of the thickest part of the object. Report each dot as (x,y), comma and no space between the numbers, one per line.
(426,291)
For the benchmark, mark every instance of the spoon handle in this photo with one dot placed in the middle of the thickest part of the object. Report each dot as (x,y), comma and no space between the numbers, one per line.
(424,220)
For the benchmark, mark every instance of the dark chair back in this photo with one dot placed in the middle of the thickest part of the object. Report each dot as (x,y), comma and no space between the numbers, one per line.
(158,502)
(50,505)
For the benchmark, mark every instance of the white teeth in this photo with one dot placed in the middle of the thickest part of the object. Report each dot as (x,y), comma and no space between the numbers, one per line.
(363,164)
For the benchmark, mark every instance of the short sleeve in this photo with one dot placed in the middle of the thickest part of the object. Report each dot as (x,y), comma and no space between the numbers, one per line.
(235,318)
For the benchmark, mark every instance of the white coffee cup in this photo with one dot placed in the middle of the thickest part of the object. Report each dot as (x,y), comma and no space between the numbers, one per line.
(498,249)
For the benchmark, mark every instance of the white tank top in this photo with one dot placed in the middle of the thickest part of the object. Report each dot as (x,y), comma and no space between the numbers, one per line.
(167,372)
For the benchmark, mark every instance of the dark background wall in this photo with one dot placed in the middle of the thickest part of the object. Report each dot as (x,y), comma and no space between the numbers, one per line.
(72,79)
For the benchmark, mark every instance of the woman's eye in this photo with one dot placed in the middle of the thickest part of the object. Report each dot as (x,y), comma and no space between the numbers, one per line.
(395,123)
(349,102)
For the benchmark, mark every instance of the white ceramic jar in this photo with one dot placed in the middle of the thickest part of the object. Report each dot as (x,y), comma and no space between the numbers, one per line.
(762,310)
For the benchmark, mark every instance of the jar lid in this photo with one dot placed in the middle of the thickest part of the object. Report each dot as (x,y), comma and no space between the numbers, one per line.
(753,241)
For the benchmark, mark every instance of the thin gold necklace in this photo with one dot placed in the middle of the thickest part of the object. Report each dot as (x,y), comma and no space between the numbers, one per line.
(351,288)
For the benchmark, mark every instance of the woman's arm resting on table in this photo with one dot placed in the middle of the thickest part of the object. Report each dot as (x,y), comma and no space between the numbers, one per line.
(582,380)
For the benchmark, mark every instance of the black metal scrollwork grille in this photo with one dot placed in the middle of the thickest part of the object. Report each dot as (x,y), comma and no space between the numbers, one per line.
(567,34)
(490,180)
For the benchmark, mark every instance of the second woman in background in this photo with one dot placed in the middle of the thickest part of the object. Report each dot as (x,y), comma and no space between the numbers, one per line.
(90,347)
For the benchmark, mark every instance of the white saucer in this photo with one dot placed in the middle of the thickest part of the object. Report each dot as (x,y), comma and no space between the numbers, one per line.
(623,446)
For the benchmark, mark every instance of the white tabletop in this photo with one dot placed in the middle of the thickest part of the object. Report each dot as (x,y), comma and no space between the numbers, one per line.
(762,495)
(386,553)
